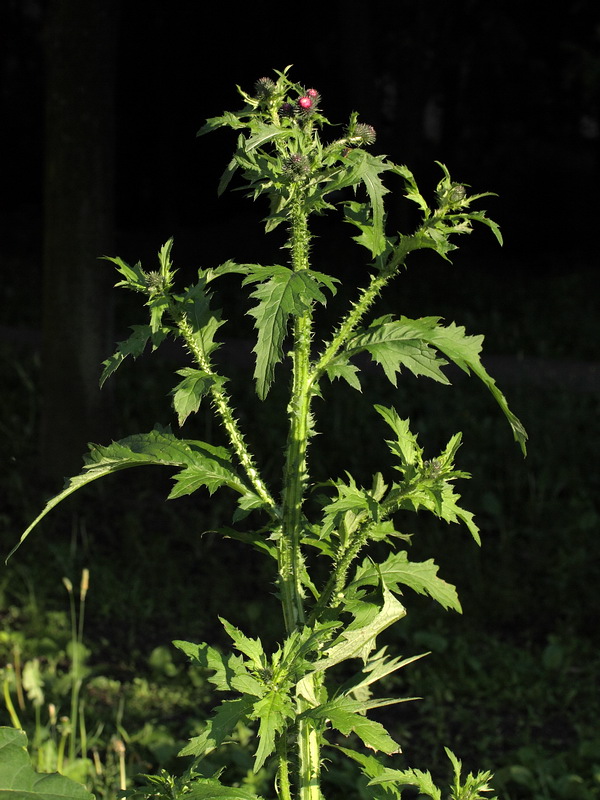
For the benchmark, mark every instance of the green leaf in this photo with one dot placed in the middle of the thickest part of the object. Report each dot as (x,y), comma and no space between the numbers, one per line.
(452,512)
(405,446)
(135,277)
(283,294)
(396,344)
(473,785)
(133,346)
(204,465)
(452,341)
(348,716)
(464,351)
(188,394)
(366,169)
(340,368)
(409,777)
(227,268)
(261,134)
(421,576)
(229,119)
(222,724)
(164,256)
(294,660)
(256,539)
(19,781)
(272,711)
(379,666)
(250,647)
(359,214)
(412,190)
(204,320)
(225,666)
(209,466)
(248,684)
(372,767)
(211,789)
(357,640)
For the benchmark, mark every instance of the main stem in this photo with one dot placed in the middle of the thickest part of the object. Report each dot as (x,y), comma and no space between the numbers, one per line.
(295,477)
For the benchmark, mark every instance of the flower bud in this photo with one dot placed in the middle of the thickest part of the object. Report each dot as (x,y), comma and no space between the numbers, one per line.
(154,282)
(264,88)
(309,102)
(297,166)
(366,133)
(457,193)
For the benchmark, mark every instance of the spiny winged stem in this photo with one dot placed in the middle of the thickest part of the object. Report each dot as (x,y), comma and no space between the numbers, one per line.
(283,786)
(223,407)
(294,479)
(368,295)
(290,556)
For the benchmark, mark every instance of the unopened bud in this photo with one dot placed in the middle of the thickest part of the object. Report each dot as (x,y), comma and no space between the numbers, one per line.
(297,165)
(366,133)
(264,88)
(361,134)
(457,193)
(154,282)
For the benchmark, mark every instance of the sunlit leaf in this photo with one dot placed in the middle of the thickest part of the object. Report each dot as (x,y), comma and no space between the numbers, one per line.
(19,781)
(421,576)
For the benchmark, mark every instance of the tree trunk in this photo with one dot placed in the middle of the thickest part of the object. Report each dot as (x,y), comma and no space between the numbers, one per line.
(78,227)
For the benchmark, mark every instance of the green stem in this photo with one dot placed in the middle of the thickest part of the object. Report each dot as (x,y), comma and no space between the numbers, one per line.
(349,324)
(223,406)
(310,759)
(295,477)
(284,791)
(16,722)
(337,579)
(367,297)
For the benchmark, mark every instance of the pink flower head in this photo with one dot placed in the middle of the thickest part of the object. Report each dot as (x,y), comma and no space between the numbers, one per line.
(305,102)
(312,93)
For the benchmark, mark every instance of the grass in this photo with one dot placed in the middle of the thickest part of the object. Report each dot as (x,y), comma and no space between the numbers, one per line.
(510,685)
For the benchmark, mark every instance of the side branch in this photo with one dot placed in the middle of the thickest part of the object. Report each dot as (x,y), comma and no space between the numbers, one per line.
(366,299)
(223,406)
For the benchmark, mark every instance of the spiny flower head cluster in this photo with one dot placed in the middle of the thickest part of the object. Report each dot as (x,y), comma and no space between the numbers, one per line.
(276,96)
(309,102)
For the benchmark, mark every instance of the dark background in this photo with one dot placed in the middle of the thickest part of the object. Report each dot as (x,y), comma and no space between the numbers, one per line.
(102,99)
(507,94)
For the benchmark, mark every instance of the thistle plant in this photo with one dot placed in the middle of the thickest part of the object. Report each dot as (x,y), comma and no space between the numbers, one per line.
(288,152)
